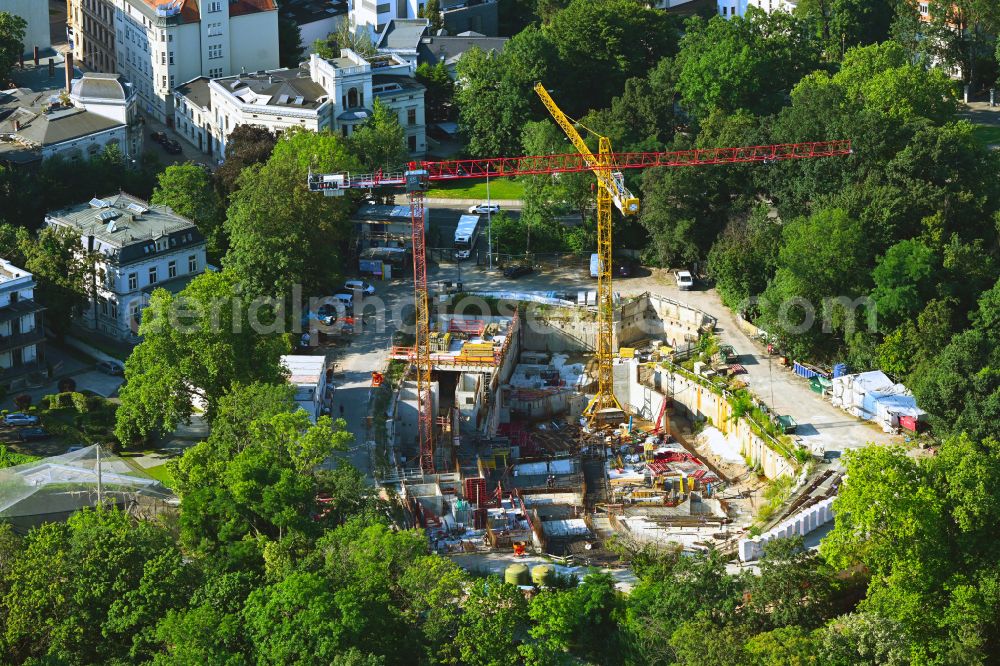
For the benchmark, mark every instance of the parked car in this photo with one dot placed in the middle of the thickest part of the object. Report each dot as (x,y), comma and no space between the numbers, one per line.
(517,270)
(366,288)
(684,280)
(20,419)
(622,266)
(172,146)
(485,208)
(111,368)
(32,434)
(158,137)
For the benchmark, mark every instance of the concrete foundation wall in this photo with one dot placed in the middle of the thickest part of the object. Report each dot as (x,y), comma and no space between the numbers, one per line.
(575,329)
(800,524)
(406,411)
(697,401)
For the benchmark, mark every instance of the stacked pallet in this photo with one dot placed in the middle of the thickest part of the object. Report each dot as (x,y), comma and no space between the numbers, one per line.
(476,352)
(440,342)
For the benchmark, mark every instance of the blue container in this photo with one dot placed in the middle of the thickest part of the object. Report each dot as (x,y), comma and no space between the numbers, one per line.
(840,370)
(803,371)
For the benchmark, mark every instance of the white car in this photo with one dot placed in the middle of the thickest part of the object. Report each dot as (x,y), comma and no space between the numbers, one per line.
(19,419)
(366,288)
(485,208)
(684,280)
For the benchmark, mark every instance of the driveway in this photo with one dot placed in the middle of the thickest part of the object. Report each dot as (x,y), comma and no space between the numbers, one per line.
(188,152)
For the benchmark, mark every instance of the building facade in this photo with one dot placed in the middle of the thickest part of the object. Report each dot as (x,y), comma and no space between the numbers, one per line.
(91,34)
(22,334)
(334,95)
(36,15)
(141,248)
(158,44)
(456,15)
(732,8)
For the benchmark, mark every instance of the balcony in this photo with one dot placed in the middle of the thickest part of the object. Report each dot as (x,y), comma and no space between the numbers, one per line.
(16,340)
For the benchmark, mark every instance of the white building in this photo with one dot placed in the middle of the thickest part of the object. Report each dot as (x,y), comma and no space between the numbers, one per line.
(22,337)
(731,8)
(100,110)
(142,248)
(322,94)
(457,16)
(308,375)
(161,44)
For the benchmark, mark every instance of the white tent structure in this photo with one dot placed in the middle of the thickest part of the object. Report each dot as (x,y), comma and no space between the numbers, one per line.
(53,488)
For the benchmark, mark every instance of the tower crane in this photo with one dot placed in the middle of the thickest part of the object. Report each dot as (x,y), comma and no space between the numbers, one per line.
(417,176)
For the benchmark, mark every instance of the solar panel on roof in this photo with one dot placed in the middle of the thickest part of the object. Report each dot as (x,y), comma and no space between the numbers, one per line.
(99,203)
(136,208)
(299,100)
(106,215)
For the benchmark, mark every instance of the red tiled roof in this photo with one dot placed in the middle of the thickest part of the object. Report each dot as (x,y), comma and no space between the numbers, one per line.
(241,7)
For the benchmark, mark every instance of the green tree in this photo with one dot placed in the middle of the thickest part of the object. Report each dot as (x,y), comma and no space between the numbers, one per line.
(601,44)
(845,23)
(793,588)
(280,233)
(787,646)
(12,30)
(380,143)
(440,90)
(195,346)
(188,189)
(804,305)
(744,258)
(865,639)
(904,279)
(495,614)
(66,276)
(246,145)
(91,589)
(748,62)
(701,642)
(431,11)
(345,37)
(290,48)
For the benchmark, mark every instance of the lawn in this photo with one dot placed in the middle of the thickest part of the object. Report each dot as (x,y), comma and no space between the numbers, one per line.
(988,134)
(161,473)
(501,188)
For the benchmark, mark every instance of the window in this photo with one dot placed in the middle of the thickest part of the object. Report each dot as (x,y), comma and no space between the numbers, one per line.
(171,57)
(133,281)
(163,36)
(214,51)
(152,275)
(172,269)
(192,263)
(411,143)
(114,310)
(725,11)
(163,57)
(164,84)
(411,116)
(104,306)
(171,80)
(215,7)
(170,37)
(923,9)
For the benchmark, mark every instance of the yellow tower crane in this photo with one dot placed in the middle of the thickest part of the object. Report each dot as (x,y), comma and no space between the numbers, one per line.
(610,189)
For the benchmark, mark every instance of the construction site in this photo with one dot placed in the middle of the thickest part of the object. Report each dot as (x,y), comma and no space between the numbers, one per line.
(551,431)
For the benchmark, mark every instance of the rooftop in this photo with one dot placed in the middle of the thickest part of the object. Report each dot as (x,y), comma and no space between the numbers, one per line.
(9,271)
(30,120)
(304,369)
(303,12)
(196,91)
(402,35)
(98,85)
(389,84)
(448,49)
(291,88)
(38,79)
(126,228)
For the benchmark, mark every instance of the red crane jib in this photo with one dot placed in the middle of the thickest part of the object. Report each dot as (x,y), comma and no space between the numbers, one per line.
(574,162)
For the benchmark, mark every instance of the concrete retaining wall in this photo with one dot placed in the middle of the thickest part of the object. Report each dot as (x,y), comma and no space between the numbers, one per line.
(699,401)
(800,524)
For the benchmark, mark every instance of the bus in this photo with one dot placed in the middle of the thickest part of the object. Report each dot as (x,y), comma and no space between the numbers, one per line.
(466,235)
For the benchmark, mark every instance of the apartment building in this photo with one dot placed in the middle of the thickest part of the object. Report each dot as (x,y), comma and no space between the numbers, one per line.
(733,8)
(456,15)
(321,94)
(157,44)
(141,248)
(22,335)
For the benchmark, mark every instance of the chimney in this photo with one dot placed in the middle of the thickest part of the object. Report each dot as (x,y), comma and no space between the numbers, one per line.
(52,67)
(69,71)
(35,52)
(17,125)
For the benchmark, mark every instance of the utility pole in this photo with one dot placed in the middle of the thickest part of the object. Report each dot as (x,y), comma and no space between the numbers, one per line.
(489,218)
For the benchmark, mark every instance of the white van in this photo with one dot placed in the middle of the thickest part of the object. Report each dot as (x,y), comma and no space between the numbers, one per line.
(595,262)
(347,300)
(684,280)
(359,285)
